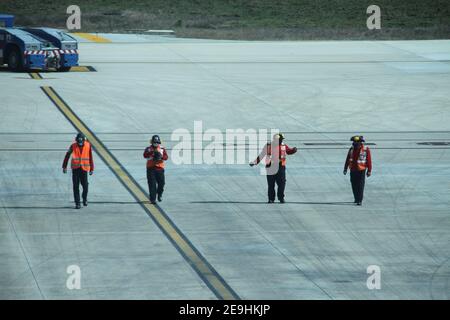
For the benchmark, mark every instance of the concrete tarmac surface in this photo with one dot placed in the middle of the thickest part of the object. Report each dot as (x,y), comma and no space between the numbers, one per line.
(317,245)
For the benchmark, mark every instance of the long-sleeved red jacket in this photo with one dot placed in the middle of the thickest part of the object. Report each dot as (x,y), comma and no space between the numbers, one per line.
(148,154)
(267,151)
(355,154)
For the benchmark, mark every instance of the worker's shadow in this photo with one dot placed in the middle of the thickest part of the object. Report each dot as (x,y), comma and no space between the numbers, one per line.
(345,203)
(118,202)
(72,207)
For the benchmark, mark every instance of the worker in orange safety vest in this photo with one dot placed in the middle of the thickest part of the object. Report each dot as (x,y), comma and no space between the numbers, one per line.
(155,154)
(82,163)
(275,168)
(359,161)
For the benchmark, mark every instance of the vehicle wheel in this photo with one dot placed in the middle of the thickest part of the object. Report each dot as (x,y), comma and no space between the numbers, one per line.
(14,60)
(64,69)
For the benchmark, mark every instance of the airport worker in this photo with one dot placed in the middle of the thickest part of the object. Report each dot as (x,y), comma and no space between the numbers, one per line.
(82,163)
(359,161)
(155,154)
(275,153)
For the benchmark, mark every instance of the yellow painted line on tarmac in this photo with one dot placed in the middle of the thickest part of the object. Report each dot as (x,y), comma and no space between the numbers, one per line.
(91,37)
(206,272)
(35,75)
(82,69)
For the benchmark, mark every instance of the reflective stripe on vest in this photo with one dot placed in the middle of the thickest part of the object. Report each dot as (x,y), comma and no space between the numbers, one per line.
(361,163)
(156,164)
(282,155)
(80,158)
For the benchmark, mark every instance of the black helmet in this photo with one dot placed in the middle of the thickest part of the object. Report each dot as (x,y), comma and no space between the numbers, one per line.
(156,139)
(80,138)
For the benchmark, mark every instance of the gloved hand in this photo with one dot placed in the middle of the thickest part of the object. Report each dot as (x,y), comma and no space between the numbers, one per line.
(345,172)
(295,149)
(64,170)
(91,173)
(157,156)
(369,173)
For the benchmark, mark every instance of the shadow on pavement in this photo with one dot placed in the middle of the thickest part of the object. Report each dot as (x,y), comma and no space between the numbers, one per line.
(117,202)
(287,202)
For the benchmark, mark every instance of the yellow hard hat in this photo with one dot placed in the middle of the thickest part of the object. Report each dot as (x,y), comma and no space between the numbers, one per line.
(357,139)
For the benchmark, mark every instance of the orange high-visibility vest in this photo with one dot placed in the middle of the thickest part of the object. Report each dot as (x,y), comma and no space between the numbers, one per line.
(156,164)
(80,158)
(361,163)
(282,155)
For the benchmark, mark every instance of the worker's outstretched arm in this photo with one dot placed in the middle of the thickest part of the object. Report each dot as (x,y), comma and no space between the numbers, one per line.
(290,150)
(260,156)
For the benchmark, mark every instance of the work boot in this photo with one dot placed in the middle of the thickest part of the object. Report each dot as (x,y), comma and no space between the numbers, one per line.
(77,206)
(358,203)
(85,203)
(153,201)
(282,201)
(159,198)
(270,201)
